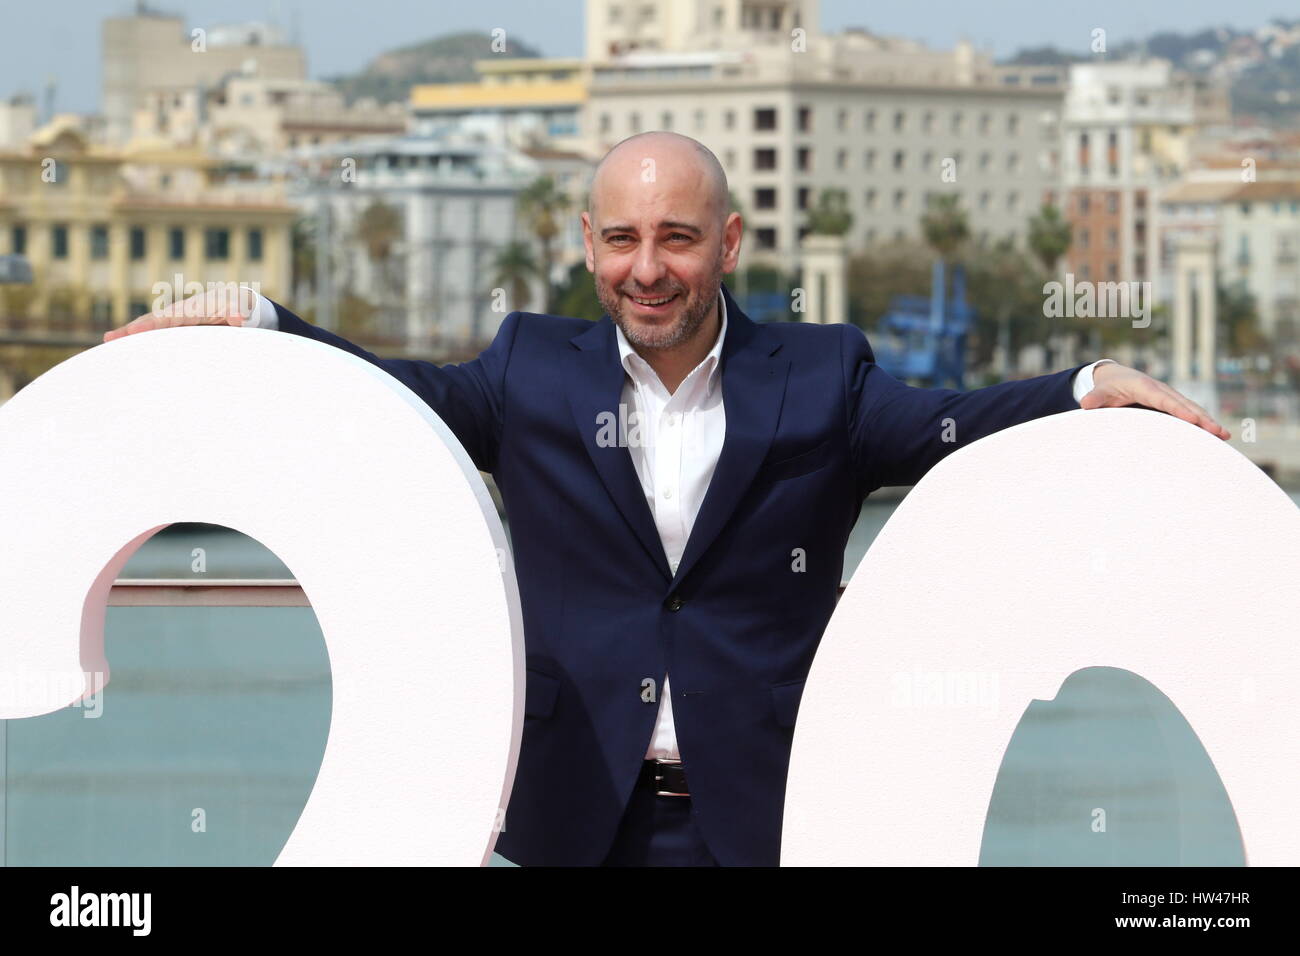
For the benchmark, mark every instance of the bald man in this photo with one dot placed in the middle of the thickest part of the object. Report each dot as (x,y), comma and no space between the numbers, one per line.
(680,484)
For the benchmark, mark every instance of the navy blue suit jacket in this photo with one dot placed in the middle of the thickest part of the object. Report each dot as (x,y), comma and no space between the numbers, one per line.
(813,426)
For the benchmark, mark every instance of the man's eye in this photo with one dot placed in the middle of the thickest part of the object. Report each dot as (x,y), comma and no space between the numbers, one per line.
(679,235)
(617,238)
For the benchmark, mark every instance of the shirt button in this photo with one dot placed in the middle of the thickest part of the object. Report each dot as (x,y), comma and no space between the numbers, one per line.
(674,602)
(668,492)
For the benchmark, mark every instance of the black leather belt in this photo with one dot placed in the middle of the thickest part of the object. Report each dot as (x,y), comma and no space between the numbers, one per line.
(665,779)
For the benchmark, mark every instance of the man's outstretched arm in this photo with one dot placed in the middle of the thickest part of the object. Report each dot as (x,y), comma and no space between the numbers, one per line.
(469,397)
(898,432)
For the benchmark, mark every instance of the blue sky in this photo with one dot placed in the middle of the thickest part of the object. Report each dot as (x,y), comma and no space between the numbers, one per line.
(60,38)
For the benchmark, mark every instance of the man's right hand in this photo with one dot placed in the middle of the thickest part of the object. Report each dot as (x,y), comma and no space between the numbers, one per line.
(214,307)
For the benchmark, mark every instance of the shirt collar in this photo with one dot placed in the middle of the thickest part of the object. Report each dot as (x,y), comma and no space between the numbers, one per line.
(627,354)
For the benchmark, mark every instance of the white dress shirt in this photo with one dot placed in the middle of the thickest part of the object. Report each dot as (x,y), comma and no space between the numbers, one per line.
(675,441)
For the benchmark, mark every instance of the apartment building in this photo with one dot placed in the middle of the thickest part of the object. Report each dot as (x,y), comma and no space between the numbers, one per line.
(1129,130)
(453,201)
(152,55)
(102,227)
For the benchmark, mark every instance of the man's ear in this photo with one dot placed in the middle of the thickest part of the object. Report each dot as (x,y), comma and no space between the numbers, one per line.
(587,241)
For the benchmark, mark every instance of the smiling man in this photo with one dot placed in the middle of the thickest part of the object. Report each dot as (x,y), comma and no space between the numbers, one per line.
(675,587)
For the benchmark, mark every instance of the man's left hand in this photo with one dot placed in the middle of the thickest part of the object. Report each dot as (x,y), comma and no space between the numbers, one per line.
(1115,385)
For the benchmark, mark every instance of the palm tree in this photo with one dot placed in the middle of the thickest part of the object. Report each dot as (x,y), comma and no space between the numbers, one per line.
(1049,237)
(944,225)
(945,229)
(378,229)
(514,266)
(831,216)
(541,203)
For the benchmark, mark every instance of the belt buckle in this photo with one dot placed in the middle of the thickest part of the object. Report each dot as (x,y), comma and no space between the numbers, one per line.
(662,761)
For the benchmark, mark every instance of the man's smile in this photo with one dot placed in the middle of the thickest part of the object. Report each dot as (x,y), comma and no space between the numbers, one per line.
(654,305)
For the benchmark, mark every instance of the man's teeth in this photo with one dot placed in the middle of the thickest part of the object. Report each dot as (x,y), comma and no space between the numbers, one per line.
(653,301)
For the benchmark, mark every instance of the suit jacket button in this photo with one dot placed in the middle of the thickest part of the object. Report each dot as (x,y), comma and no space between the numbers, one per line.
(674,602)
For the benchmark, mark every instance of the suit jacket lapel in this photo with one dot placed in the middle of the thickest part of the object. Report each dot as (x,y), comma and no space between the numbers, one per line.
(753,387)
(753,381)
(595,388)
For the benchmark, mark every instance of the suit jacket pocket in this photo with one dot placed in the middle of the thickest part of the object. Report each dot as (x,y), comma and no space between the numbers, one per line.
(795,465)
(540,691)
(785,701)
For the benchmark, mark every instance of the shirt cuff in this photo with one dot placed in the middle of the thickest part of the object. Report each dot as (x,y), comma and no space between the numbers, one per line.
(263,315)
(1083,379)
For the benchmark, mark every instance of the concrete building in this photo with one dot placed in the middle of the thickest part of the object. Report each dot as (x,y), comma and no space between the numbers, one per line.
(102,227)
(17,121)
(534,103)
(1128,132)
(1254,228)
(453,197)
(248,116)
(151,55)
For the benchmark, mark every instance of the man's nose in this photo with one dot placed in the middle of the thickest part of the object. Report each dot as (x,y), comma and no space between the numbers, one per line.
(648,268)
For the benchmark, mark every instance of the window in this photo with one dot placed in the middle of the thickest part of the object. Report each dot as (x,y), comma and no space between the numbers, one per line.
(665,120)
(764,159)
(1112,239)
(841,158)
(255,245)
(729,158)
(842,120)
(1084,204)
(927,160)
(1083,237)
(1013,162)
(1112,202)
(605,123)
(634,122)
(805,119)
(900,120)
(101,313)
(18,240)
(869,159)
(956,122)
(729,119)
(59,241)
(900,200)
(176,242)
(870,120)
(766,237)
(984,200)
(138,243)
(99,242)
(216,244)
(870,199)
(765,198)
(1013,201)
(805,159)
(984,123)
(699,120)
(764,119)
(927,122)
(899,159)
(985,159)
(803,197)
(1013,124)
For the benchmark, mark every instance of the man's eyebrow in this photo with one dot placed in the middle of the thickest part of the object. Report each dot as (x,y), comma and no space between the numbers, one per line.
(667,224)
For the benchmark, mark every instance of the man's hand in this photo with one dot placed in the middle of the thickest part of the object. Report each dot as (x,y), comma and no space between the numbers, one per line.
(1115,385)
(218,306)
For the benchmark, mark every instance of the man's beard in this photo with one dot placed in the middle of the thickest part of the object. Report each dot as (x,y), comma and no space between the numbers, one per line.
(683,330)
